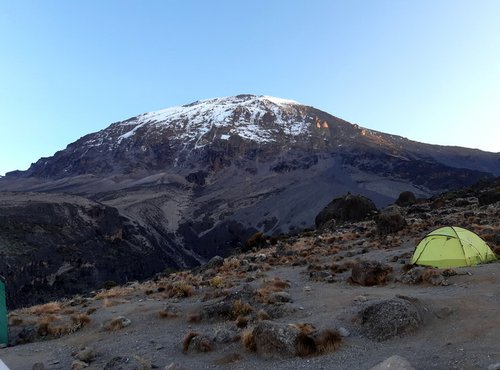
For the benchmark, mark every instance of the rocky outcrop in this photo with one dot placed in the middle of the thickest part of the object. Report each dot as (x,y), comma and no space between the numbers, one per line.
(54,245)
(349,208)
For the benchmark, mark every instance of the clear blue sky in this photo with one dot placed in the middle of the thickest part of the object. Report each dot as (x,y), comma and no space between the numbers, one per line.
(427,70)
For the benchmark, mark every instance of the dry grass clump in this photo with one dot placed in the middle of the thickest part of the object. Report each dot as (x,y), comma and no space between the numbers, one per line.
(106,302)
(230,266)
(216,282)
(228,359)
(193,317)
(241,321)
(305,328)
(214,294)
(328,340)
(248,340)
(179,289)
(305,345)
(15,320)
(271,286)
(80,320)
(115,292)
(263,315)
(48,328)
(116,323)
(240,308)
(91,310)
(43,309)
(165,314)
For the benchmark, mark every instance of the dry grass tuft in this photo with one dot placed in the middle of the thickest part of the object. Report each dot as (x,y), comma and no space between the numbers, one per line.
(193,317)
(240,308)
(15,320)
(91,310)
(187,340)
(328,340)
(241,321)
(80,320)
(248,340)
(305,345)
(179,289)
(228,359)
(115,292)
(43,309)
(164,314)
(305,328)
(263,315)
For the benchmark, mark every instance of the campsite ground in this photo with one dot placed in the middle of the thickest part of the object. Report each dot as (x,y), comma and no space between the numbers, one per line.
(460,328)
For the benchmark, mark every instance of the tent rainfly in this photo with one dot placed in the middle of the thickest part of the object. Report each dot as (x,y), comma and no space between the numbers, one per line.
(452,246)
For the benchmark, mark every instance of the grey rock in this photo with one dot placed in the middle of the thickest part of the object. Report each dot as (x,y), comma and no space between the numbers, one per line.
(344,332)
(395,363)
(494,366)
(413,276)
(406,198)
(201,343)
(275,340)
(391,318)
(87,355)
(370,273)
(38,366)
(77,365)
(173,366)
(390,220)
(127,363)
(224,335)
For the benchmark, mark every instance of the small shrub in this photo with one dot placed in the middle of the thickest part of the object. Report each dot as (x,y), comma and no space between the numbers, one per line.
(241,321)
(164,314)
(91,310)
(15,320)
(305,345)
(328,341)
(216,282)
(179,289)
(248,340)
(193,317)
(240,308)
(80,320)
(263,315)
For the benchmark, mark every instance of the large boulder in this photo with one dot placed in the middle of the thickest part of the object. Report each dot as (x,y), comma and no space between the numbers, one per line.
(276,340)
(349,208)
(369,273)
(390,220)
(390,319)
(406,198)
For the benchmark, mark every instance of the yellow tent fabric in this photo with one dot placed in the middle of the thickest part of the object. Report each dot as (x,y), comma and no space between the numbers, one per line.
(452,246)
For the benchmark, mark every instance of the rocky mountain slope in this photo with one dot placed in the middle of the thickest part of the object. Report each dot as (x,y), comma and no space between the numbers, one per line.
(343,297)
(198,180)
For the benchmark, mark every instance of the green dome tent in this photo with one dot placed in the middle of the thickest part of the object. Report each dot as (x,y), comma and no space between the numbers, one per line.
(452,246)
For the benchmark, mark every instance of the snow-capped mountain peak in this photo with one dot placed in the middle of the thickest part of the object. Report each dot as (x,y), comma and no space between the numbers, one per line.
(251,117)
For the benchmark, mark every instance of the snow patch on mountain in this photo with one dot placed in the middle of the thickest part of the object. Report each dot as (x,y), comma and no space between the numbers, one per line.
(251,117)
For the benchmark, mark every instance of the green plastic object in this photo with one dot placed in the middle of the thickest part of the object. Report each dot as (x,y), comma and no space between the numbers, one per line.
(452,246)
(4,330)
